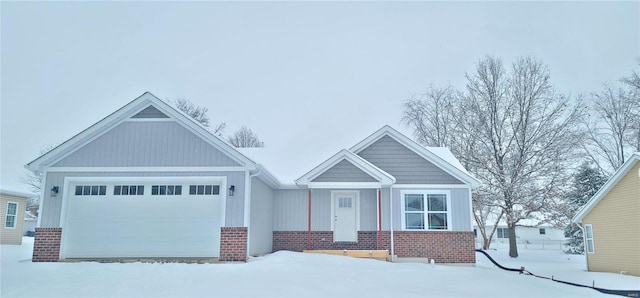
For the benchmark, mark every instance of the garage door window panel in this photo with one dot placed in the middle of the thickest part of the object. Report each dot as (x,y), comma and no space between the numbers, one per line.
(91,190)
(166,190)
(200,190)
(128,190)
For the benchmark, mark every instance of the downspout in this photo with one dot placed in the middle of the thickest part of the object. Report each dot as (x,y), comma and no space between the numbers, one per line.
(391,219)
(309,223)
(247,221)
(379,218)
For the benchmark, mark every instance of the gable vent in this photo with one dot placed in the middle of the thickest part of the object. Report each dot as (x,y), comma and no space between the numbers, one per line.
(150,112)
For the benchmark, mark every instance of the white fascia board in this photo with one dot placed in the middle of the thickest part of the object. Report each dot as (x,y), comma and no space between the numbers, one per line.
(418,149)
(355,160)
(147,169)
(604,190)
(67,146)
(123,114)
(268,178)
(431,186)
(344,185)
(17,194)
(197,128)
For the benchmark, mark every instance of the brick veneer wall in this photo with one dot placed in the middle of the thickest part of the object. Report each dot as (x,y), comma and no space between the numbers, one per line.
(233,244)
(297,241)
(46,245)
(441,246)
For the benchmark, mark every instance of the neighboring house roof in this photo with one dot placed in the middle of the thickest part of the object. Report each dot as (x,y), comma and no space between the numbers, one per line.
(383,177)
(134,107)
(440,156)
(608,186)
(16,193)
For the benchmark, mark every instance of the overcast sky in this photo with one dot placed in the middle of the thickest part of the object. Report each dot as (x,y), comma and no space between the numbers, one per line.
(310,78)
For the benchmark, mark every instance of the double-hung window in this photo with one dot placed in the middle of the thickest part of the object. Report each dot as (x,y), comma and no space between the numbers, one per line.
(588,229)
(426,210)
(11,216)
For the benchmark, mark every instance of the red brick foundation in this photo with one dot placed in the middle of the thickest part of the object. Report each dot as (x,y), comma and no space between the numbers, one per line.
(297,241)
(233,244)
(46,245)
(441,246)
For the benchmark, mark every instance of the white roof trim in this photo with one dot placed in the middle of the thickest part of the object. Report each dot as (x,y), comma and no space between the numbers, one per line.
(418,149)
(17,193)
(383,177)
(123,114)
(608,186)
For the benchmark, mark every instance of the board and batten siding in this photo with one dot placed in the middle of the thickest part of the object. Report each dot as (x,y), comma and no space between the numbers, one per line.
(290,209)
(51,208)
(616,227)
(12,235)
(344,171)
(147,144)
(404,164)
(261,225)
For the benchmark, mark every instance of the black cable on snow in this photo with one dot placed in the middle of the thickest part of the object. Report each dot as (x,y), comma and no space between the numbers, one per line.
(626,293)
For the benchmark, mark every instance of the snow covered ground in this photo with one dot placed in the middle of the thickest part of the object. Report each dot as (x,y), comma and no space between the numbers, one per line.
(288,274)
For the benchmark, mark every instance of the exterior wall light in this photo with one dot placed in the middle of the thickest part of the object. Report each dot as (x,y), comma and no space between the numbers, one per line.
(54,191)
(232,189)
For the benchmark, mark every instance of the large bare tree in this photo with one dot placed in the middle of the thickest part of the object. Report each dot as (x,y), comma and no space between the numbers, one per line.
(244,138)
(613,126)
(515,133)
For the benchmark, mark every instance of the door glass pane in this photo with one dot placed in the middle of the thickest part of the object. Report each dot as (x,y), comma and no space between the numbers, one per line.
(414,220)
(413,202)
(344,202)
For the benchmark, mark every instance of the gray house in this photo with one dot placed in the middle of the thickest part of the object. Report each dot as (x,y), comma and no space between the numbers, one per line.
(136,183)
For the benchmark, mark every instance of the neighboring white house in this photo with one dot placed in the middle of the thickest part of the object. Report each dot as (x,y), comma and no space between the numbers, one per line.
(529,235)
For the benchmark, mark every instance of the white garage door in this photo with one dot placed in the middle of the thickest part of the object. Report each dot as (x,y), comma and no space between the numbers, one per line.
(138,218)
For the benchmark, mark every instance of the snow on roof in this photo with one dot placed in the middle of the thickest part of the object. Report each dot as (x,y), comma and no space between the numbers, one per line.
(446,155)
(284,166)
(16,193)
(287,167)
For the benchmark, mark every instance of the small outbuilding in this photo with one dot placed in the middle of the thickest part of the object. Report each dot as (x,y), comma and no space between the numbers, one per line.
(611,222)
(12,208)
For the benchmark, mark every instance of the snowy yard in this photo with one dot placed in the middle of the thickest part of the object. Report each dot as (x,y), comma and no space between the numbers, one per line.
(288,274)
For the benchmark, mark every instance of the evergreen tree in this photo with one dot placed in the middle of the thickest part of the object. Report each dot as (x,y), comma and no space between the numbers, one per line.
(586,183)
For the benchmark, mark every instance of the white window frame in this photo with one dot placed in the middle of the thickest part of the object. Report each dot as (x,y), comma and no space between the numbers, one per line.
(501,232)
(15,216)
(587,238)
(426,212)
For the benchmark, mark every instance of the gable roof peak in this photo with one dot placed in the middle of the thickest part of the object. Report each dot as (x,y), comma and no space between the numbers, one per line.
(122,114)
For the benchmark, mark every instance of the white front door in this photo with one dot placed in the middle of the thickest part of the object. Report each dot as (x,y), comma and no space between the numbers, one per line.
(345,226)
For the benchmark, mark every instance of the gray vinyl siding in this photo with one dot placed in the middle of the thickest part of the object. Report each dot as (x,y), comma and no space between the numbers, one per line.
(460,209)
(261,227)
(344,171)
(147,144)
(150,112)
(51,207)
(290,210)
(404,164)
